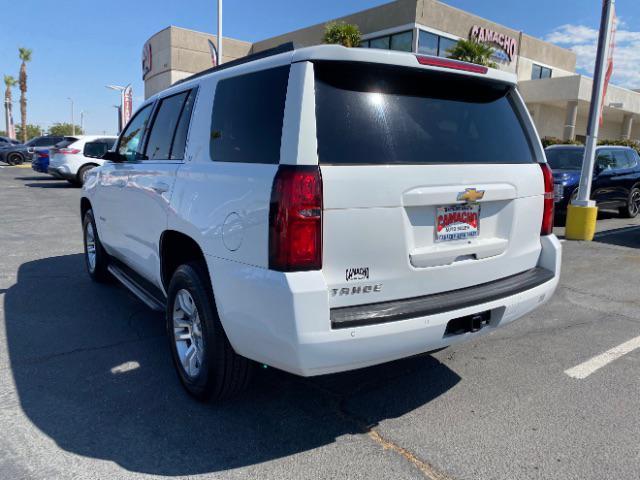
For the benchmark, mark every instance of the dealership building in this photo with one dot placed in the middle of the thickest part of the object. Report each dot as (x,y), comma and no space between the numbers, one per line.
(557,97)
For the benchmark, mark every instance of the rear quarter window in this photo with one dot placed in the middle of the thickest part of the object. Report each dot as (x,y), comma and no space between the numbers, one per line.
(247,117)
(380,115)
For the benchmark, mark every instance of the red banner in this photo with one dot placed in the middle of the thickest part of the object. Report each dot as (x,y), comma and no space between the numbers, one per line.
(127,105)
(612,46)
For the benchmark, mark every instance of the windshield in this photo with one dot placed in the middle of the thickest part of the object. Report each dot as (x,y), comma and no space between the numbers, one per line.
(380,115)
(565,158)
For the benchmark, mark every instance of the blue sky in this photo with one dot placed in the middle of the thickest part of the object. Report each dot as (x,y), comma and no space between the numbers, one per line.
(81,45)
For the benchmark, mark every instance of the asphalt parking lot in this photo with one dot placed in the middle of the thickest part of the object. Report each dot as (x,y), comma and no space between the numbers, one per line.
(87,389)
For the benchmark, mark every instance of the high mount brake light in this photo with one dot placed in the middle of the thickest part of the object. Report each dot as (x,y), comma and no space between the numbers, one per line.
(547,216)
(452,64)
(295,219)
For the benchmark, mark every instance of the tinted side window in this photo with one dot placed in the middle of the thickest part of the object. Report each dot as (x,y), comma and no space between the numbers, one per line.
(605,160)
(180,139)
(621,159)
(164,126)
(132,136)
(633,158)
(94,149)
(247,117)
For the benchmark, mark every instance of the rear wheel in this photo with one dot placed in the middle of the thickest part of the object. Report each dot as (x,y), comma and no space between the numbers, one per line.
(207,366)
(632,208)
(14,159)
(96,259)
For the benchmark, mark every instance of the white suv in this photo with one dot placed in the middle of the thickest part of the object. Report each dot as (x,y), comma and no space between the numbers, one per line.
(325,209)
(72,158)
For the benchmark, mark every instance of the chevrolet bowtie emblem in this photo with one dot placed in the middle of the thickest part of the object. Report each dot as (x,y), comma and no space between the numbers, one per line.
(470,195)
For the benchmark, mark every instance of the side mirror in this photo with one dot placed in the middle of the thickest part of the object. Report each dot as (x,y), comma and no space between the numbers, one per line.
(113,156)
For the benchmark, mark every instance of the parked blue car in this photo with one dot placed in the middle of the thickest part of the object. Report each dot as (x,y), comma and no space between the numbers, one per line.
(616,179)
(40,161)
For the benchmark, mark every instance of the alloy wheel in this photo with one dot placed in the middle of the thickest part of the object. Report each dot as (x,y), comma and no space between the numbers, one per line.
(187,332)
(634,202)
(90,241)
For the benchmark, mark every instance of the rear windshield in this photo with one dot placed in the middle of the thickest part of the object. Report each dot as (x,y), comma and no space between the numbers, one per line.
(374,114)
(565,158)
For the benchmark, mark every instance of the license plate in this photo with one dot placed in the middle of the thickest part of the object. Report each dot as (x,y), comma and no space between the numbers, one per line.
(457,222)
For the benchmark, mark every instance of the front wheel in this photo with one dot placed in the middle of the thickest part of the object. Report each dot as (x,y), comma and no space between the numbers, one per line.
(206,363)
(632,208)
(95,257)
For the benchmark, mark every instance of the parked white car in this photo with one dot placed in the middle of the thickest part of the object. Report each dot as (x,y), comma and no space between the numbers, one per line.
(72,158)
(325,209)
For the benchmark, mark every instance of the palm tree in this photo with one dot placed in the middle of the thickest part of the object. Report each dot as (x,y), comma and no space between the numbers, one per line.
(25,56)
(9,82)
(340,33)
(472,52)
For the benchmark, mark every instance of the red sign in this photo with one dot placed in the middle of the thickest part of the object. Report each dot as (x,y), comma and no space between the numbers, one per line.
(484,35)
(127,105)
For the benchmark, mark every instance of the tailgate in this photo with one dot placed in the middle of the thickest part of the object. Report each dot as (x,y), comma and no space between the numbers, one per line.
(430,182)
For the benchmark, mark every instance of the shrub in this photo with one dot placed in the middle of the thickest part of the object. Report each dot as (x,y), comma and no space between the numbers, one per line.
(548,141)
(340,33)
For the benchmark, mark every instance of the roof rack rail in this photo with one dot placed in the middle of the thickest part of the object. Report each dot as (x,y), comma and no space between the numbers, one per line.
(283,48)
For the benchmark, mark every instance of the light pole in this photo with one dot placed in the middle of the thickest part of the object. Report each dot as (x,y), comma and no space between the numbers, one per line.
(73,126)
(582,212)
(219,32)
(82,112)
(120,89)
(119,110)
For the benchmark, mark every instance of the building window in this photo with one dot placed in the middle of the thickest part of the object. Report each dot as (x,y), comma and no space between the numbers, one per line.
(446,44)
(538,72)
(428,43)
(402,42)
(432,44)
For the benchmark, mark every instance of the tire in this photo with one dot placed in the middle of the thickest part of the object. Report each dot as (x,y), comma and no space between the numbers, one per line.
(212,371)
(632,208)
(14,159)
(81,176)
(96,268)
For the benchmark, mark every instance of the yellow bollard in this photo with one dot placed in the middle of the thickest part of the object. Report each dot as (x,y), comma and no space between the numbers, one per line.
(581,223)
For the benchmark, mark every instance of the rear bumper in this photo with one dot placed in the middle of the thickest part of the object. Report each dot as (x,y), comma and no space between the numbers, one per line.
(62,172)
(284,320)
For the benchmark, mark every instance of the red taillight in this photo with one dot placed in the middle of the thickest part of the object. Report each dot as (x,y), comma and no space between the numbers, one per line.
(454,64)
(295,219)
(68,151)
(547,216)
(42,154)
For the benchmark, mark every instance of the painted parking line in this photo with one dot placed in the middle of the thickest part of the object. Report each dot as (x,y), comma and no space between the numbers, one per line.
(596,363)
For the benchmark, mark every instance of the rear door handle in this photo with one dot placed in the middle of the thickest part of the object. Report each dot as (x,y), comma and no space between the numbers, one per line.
(160,187)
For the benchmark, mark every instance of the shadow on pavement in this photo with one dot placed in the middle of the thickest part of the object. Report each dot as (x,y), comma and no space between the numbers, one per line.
(93,372)
(623,237)
(58,184)
(39,178)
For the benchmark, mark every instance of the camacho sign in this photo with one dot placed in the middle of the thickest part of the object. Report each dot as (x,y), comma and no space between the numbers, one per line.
(484,35)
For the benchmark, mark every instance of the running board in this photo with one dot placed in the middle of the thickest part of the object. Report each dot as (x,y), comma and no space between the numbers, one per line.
(147,298)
